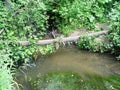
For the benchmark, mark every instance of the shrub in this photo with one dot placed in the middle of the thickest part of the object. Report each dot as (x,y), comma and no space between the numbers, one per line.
(74,14)
(22,20)
(91,43)
(114,36)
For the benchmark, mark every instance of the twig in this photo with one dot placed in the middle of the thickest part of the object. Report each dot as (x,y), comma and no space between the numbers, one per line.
(1,31)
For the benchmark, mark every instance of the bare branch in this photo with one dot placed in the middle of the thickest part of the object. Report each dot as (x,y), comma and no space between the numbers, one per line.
(1,31)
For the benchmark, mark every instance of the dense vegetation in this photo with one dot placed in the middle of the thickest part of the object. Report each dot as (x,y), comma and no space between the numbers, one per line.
(113,37)
(32,19)
(6,79)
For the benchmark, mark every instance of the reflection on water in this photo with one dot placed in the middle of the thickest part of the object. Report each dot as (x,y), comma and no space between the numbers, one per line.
(72,60)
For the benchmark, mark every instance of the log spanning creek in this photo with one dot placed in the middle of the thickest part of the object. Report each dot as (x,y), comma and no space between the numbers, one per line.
(71,69)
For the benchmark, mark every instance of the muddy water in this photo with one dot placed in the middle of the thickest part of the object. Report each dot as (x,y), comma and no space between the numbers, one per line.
(71,60)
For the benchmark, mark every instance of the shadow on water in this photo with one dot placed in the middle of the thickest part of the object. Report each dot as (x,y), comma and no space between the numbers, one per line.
(72,69)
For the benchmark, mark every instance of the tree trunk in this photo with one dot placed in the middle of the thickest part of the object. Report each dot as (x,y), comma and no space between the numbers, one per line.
(65,39)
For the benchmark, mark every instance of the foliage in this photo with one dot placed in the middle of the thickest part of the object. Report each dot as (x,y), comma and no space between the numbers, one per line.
(6,79)
(74,14)
(91,43)
(47,49)
(114,36)
(29,20)
(113,46)
(22,20)
(43,50)
(22,54)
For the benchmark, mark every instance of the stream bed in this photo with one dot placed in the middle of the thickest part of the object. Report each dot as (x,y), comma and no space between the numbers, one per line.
(71,69)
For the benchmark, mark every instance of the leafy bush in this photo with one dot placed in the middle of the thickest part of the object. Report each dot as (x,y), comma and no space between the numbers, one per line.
(74,14)
(114,35)
(23,20)
(28,20)
(91,43)
(113,45)
(43,50)
(6,79)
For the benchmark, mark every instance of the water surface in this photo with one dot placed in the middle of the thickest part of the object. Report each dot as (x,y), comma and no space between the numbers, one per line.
(71,60)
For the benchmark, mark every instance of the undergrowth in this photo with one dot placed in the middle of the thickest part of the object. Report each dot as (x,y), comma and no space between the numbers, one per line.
(30,20)
(91,43)
(6,74)
(74,14)
(113,37)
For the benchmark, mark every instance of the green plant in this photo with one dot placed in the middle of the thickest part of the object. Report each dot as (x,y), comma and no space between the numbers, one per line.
(113,45)
(114,35)
(28,20)
(46,49)
(43,50)
(91,43)
(22,20)
(74,14)
(6,75)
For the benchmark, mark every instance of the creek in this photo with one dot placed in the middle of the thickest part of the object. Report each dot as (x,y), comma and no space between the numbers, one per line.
(71,69)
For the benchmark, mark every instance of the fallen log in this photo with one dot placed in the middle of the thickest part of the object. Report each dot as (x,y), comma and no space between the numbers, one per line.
(64,39)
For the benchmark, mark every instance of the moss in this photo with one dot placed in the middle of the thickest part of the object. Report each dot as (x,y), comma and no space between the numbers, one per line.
(72,81)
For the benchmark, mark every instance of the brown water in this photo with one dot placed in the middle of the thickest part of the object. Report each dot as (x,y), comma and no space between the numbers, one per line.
(72,60)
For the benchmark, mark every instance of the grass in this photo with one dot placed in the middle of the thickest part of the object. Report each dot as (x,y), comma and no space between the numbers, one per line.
(6,79)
